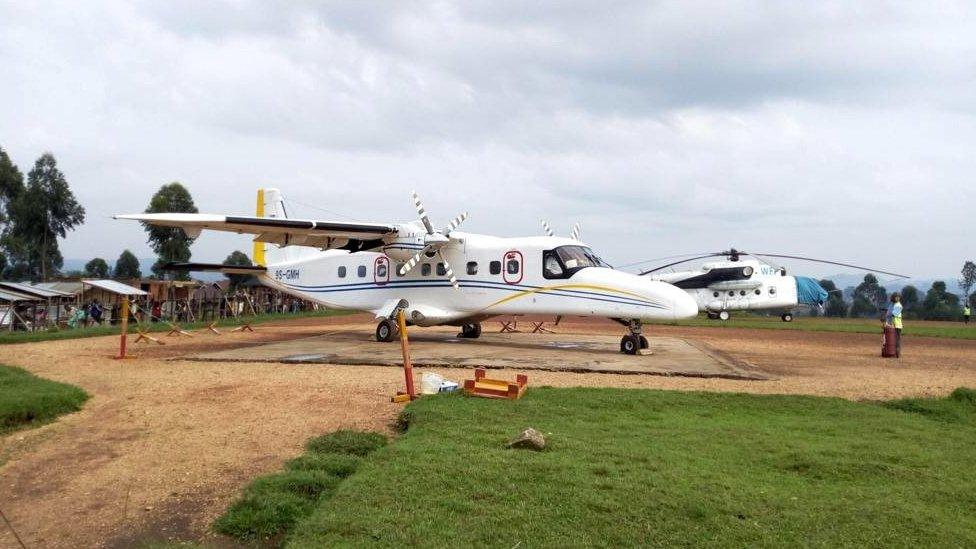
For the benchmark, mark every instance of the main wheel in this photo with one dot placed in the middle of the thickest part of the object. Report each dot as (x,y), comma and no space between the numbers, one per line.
(787,317)
(712,316)
(630,344)
(644,343)
(724,315)
(471,331)
(386,330)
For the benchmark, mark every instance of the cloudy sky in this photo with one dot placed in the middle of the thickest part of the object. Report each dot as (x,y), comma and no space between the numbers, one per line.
(834,129)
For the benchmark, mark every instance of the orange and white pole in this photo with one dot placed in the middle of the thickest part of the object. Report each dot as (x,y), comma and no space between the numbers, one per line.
(125,327)
(405,346)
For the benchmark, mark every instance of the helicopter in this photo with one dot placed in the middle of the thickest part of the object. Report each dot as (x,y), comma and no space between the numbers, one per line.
(738,283)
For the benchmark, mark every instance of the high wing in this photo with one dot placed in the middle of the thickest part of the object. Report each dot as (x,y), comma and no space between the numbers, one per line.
(280,231)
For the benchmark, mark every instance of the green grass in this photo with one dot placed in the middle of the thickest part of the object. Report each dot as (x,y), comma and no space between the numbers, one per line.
(97,331)
(629,468)
(27,400)
(953,330)
(272,504)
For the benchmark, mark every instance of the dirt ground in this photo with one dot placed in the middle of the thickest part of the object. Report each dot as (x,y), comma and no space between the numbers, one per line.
(164,445)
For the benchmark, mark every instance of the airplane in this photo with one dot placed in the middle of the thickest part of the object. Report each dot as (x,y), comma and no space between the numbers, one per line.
(384,268)
(738,284)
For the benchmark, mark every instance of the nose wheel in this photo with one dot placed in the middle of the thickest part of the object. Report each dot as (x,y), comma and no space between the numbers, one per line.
(386,330)
(470,331)
(633,342)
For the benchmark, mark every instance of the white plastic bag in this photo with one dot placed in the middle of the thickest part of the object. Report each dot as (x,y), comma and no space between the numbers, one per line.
(430,383)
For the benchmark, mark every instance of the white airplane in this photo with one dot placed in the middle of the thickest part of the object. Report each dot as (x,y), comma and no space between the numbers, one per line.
(383,268)
(738,284)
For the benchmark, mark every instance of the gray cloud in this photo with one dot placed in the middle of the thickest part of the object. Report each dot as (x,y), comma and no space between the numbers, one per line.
(664,127)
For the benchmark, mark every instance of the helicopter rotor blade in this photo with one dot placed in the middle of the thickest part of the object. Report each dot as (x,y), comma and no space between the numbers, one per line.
(679,263)
(801,258)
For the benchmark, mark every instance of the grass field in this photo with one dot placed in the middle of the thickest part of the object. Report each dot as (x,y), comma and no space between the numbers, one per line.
(954,330)
(656,468)
(96,331)
(27,400)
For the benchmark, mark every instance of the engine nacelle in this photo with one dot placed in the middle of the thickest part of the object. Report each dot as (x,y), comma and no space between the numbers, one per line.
(409,240)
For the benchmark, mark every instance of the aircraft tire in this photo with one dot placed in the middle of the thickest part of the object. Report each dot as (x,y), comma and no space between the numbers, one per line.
(787,317)
(471,331)
(724,315)
(386,331)
(644,343)
(630,344)
(712,316)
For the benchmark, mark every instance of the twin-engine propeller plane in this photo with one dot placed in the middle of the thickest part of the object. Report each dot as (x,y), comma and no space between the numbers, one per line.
(738,284)
(383,268)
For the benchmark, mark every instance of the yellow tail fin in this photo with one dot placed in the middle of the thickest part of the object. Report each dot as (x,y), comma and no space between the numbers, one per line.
(258,254)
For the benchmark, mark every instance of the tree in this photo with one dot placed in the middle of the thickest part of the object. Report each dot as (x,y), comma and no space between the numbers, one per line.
(46,210)
(96,268)
(11,187)
(835,305)
(238,258)
(127,266)
(869,297)
(968,279)
(939,304)
(170,243)
(909,301)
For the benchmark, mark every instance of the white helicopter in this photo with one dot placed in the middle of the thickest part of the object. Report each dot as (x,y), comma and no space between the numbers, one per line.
(384,268)
(738,284)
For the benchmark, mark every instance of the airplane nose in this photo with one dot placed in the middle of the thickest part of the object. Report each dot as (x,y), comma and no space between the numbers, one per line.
(683,305)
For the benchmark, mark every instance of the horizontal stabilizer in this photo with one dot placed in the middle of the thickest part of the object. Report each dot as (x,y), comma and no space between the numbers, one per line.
(215,267)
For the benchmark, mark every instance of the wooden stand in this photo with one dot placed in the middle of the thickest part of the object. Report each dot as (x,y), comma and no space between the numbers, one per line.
(125,330)
(495,388)
(144,336)
(176,329)
(509,326)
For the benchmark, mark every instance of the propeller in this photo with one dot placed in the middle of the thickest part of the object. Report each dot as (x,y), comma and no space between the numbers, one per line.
(546,228)
(575,235)
(434,242)
(733,255)
(576,232)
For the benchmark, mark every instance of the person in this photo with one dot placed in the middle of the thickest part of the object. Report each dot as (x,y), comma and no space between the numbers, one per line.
(893,318)
(95,312)
(965,313)
(157,311)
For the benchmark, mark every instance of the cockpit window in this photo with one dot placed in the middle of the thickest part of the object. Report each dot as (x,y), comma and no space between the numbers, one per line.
(564,261)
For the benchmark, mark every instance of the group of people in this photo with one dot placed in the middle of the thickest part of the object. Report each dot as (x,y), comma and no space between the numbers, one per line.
(89,314)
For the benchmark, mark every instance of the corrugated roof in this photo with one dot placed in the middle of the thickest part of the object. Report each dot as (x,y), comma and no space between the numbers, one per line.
(114,287)
(11,296)
(69,287)
(34,290)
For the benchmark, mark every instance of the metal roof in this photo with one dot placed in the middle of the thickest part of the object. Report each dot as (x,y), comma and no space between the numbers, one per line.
(45,293)
(114,287)
(69,287)
(11,296)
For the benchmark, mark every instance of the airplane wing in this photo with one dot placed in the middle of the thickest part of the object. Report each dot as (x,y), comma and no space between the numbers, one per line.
(215,267)
(283,232)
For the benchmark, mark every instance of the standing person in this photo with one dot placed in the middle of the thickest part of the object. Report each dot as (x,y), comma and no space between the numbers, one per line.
(893,318)
(966,312)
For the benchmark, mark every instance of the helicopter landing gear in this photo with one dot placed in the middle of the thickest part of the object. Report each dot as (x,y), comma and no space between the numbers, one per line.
(386,330)
(470,331)
(724,315)
(787,317)
(633,342)
(712,316)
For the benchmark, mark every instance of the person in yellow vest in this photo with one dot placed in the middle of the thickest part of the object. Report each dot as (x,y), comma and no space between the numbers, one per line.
(893,318)
(965,313)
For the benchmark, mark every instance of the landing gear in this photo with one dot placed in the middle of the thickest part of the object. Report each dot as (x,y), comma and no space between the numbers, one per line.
(470,331)
(724,315)
(633,342)
(386,330)
(712,316)
(787,317)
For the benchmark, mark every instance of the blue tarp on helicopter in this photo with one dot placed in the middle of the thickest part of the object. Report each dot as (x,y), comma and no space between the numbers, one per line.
(809,291)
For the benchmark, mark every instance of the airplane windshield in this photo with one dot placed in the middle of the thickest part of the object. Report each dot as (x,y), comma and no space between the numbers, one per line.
(563,261)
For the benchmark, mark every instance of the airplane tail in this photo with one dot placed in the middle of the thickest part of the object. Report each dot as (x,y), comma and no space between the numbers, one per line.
(269,204)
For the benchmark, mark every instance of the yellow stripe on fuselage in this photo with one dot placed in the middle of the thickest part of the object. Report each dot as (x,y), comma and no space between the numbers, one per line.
(564,287)
(258,254)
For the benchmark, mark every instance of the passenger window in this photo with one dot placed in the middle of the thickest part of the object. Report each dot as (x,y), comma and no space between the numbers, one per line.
(758,291)
(472,267)
(342,271)
(512,266)
(361,271)
(495,267)
(398,269)
(731,293)
(441,269)
(425,269)
(715,294)
(772,290)
(742,292)
(381,270)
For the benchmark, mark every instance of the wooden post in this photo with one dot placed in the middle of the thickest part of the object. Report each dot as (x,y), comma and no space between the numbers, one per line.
(405,346)
(125,328)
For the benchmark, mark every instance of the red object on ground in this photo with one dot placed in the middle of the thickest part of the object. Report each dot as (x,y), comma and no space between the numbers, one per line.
(888,342)
(495,388)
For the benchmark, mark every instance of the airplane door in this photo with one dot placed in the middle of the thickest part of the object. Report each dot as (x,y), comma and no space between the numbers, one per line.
(512,267)
(381,270)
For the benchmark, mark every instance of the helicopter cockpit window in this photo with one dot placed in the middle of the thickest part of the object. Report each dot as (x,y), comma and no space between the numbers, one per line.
(564,261)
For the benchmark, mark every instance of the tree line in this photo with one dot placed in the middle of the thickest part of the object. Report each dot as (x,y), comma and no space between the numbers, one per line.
(869,298)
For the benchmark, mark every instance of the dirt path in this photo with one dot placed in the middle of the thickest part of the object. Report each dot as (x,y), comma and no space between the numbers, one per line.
(165,445)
